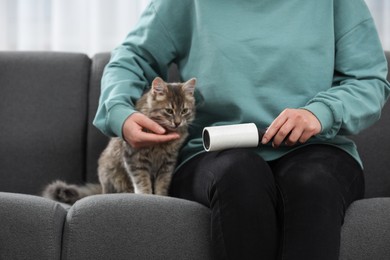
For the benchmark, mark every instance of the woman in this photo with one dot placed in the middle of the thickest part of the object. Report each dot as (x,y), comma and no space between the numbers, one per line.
(311,72)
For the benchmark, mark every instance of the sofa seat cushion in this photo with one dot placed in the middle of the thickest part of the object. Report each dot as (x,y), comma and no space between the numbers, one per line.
(132,226)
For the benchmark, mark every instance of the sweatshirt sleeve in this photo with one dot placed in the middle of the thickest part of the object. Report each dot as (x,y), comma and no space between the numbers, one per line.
(146,52)
(359,88)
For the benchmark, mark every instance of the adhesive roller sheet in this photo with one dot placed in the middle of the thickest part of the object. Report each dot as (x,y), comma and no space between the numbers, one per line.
(217,138)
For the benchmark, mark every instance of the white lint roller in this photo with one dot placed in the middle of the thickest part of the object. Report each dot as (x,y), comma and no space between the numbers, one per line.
(217,138)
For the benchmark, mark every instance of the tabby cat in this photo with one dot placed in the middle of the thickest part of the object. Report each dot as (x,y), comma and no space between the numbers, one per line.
(122,168)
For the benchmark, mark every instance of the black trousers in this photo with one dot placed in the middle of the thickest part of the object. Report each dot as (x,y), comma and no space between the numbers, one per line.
(290,208)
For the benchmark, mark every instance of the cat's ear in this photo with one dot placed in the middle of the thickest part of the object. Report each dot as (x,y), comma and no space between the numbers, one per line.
(189,86)
(159,86)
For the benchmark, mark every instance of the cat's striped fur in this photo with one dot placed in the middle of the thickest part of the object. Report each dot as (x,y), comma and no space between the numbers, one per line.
(123,168)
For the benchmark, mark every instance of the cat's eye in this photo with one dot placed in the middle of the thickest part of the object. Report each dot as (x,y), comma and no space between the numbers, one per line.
(184,111)
(169,111)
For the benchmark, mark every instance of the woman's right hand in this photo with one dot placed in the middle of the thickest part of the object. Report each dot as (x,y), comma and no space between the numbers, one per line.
(134,134)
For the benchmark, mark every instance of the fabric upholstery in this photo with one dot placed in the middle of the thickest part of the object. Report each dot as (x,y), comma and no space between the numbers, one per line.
(43,101)
(374,146)
(30,227)
(365,234)
(96,141)
(128,226)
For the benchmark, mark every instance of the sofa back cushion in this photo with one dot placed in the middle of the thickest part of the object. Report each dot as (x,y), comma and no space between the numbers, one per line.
(43,115)
(96,141)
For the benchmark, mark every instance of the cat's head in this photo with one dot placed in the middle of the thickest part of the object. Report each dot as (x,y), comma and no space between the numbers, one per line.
(172,105)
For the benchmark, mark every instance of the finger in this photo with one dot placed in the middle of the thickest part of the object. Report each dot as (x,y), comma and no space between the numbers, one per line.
(306,135)
(294,136)
(273,128)
(148,139)
(155,138)
(136,137)
(148,123)
(283,133)
(303,131)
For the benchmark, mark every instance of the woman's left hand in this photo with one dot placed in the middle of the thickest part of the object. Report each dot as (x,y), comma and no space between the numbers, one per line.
(292,126)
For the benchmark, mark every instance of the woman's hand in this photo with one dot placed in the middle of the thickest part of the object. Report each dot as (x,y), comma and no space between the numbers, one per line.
(137,138)
(292,126)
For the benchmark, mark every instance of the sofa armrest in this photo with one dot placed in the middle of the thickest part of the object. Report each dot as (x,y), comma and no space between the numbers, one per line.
(30,227)
(365,233)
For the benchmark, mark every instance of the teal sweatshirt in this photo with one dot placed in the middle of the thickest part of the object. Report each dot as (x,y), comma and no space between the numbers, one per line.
(253,59)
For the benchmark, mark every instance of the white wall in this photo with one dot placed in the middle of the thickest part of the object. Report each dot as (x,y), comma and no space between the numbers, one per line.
(92,26)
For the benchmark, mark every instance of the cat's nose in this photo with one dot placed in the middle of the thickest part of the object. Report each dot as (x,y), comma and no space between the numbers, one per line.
(177,124)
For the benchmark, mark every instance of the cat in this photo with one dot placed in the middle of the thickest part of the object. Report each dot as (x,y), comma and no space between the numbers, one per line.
(124,169)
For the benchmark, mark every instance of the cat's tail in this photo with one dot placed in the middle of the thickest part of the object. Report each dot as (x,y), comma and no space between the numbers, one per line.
(70,193)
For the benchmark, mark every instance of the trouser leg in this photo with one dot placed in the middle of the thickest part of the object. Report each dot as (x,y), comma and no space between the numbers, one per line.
(239,188)
(317,183)
(314,186)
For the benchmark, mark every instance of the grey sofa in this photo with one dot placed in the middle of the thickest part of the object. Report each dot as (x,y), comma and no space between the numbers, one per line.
(47,102)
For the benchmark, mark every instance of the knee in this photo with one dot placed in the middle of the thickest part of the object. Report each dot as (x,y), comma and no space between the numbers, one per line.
(243,180)
(310,185)
(241,169)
